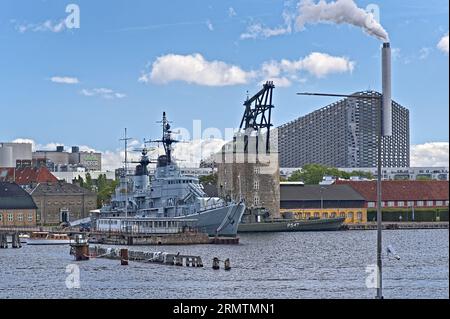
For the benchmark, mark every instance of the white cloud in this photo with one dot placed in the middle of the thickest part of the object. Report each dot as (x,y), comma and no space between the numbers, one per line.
(231,12)
(257,30)
(195,69)
(103,92)
(209,25)
(430,154)
(424,53)
(64,80)
(48,25)
(443,44)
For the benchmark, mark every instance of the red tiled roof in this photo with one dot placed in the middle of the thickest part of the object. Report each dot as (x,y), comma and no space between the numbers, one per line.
(401,190)
(28,175)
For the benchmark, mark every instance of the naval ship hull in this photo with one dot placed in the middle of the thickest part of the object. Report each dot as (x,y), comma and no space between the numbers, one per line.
(293,225)
(222,221)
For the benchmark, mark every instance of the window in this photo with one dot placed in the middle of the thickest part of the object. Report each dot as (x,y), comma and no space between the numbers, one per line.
(256,185)
(256,170)
(420,203)
(333,215)
(325,215)
(10,217)
(316,215)
(1,217)
(371,204)
(20,217)
(410,203)
(401,204)
(256,200)
(383,204)
(359,216)
(439,203)
(307,215)
(391,204)
(430,203)
(342,215)
(350,215)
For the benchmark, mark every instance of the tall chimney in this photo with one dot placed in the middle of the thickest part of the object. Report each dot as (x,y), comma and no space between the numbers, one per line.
(387,90)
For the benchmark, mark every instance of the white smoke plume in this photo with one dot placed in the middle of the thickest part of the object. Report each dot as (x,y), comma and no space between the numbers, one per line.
(339,12)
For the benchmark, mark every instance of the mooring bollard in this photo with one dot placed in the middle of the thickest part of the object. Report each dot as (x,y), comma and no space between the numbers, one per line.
(124,257)
(227,264)
(216,264)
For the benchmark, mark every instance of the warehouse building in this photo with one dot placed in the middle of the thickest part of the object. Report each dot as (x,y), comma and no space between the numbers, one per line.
(17,208)
(317,201)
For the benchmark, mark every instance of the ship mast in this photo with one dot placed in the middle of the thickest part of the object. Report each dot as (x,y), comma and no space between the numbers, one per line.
(125,174)
(166,140)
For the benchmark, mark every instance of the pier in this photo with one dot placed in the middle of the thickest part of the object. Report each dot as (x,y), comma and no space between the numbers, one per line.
(397,225)
(125,255)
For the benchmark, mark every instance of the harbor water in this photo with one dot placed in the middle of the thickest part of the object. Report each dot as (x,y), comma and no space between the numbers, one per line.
(275,265)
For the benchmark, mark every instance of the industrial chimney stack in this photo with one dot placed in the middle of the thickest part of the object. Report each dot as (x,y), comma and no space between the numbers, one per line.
(387,90)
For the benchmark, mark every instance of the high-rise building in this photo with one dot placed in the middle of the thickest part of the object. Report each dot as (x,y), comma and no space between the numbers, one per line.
(344,134)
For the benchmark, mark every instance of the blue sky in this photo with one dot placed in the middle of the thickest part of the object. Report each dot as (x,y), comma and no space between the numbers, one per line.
(119,42)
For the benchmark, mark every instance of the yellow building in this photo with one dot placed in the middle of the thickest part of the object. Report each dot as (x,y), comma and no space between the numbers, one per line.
(322,201)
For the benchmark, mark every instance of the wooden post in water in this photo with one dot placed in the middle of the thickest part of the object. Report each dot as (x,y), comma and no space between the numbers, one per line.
(227,264)
(124,257)
(216,264)
(3,241)
(15,240)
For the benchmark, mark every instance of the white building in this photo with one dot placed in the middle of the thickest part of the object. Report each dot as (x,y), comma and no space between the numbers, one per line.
(15,154)
(402,173)
(70,176)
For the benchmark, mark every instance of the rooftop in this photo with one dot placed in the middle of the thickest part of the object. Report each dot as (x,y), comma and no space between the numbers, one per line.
(12,196)
(401,190)
(318,192)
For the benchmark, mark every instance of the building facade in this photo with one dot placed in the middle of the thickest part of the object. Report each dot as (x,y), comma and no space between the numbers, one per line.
(315,201)
(15,155)
(61,161)
(62,202)
(344,134)
(17,208)
(403,194)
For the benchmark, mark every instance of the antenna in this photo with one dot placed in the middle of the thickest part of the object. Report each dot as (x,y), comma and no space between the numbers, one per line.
(125,139)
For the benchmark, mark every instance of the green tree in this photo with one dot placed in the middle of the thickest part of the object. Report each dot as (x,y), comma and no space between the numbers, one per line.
(208,179)
(312,174)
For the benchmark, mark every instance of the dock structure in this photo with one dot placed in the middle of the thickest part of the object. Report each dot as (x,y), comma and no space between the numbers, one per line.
(15,239)
(398,225)
(141,256)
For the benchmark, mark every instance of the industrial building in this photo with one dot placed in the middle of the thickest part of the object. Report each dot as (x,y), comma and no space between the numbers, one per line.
(61,161)
(344,134)
(15,155)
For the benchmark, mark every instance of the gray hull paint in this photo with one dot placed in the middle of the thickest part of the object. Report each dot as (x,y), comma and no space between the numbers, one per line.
(294,225)
(226,219)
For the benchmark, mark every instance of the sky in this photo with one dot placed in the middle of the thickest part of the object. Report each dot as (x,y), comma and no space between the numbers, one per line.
(128,61)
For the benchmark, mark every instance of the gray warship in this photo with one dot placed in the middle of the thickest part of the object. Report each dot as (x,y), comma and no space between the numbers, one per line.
(170,195)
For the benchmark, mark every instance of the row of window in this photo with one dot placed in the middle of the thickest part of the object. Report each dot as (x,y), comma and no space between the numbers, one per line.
(349,215)
(181,182)
(419,203)
(20,217)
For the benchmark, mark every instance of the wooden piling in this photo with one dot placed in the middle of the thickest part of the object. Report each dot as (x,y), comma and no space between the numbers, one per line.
(227,264)
(124,257)
(216,264)
(15,240)
(3,241)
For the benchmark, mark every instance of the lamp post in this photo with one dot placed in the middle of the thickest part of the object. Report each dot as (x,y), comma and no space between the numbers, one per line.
(380,100)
